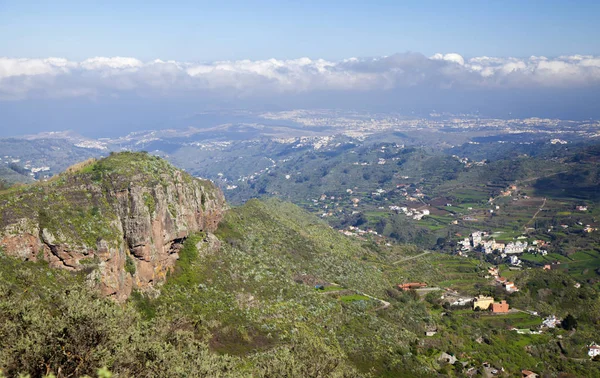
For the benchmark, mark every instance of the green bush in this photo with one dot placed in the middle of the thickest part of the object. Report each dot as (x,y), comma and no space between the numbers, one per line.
(129,265)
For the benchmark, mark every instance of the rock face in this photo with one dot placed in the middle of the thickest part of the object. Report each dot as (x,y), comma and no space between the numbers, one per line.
(121,219)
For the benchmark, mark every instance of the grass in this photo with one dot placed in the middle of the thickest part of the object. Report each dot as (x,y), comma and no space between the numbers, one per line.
(354,298)
(471,196)
(516,319)
(584,255)
(509,274)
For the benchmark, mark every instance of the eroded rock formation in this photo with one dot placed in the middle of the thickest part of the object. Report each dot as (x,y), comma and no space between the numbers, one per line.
(124,229)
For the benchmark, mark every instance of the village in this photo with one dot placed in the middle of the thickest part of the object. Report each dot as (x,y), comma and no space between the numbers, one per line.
(480,241)
(487,306)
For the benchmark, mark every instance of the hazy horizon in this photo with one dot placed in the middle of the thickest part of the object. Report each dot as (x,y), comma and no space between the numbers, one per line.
(115,67)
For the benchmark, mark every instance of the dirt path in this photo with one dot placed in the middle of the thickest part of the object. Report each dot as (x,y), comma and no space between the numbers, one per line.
(384,304)
(536,213)
(412,257)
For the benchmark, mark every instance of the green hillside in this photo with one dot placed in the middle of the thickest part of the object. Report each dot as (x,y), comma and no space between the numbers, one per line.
(251,308)
(277,292)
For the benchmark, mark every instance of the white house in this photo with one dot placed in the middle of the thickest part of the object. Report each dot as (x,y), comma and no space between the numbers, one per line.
(510,287)
(516,247)
(514,260)
(465,244)
(462,302)
(476,237)
(490,245)
(593,350)
(551,321)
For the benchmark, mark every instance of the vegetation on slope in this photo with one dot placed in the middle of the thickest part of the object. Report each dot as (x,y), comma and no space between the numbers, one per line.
(250,308)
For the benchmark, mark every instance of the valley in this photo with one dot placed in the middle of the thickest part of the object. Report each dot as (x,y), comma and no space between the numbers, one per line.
(304,274)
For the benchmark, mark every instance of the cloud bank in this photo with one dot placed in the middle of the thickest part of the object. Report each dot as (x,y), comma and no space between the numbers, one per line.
(111,76)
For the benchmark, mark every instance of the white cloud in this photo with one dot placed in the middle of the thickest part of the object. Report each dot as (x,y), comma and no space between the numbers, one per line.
(32,67)
(57,77)
(99,63)
(451,57)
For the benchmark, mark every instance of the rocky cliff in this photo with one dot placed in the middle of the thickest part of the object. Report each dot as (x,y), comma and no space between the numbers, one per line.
(120,219)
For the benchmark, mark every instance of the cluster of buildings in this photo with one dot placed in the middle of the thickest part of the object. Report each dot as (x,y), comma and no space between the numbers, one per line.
(489,246)
(508,192)
(468,163)
(414,213)
(414,196)
(483,303)
(253,175)
(364,124)
(478,240)
(33,171)
(378,192)
(558,141)
(355,231)
(549,322)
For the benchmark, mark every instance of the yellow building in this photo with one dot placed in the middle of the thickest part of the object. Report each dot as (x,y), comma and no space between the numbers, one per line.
(482,302)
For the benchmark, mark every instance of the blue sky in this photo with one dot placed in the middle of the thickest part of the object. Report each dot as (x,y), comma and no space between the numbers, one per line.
(224,30)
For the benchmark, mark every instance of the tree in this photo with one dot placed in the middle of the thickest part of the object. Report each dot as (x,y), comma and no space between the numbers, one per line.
(440,242)
(569,322)
(458,367)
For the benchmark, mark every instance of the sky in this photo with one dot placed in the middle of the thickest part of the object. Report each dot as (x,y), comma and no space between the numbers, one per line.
(333,30)
(102,65)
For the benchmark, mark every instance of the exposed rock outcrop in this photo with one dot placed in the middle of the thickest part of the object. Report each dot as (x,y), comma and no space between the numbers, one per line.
(121,218)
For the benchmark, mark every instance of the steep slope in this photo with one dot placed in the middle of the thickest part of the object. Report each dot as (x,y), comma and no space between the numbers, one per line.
(121,218)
